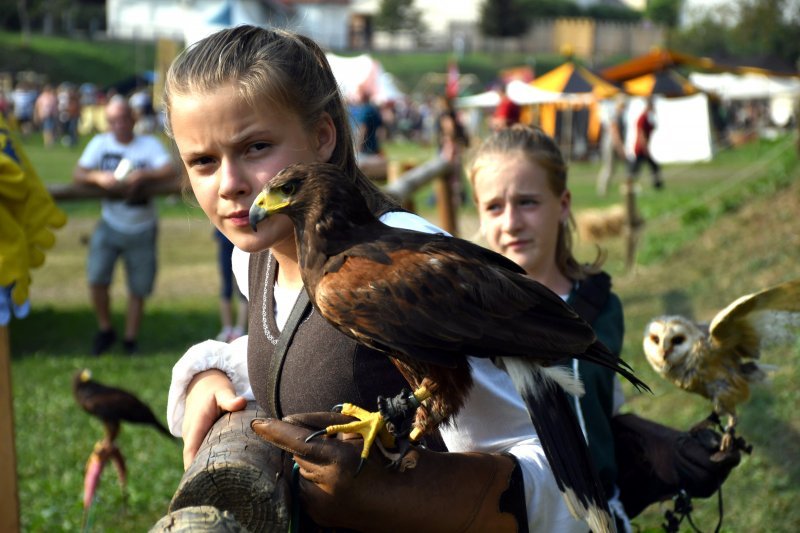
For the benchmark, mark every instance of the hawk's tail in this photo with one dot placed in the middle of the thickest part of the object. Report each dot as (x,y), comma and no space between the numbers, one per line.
(563,443)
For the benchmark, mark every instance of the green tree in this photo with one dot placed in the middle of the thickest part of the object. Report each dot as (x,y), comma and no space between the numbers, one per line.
(748,28)
(503,18)
(667,13)
(397,15)
(769,28)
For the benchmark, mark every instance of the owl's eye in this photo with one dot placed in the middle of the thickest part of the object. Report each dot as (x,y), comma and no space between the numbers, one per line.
(654,339)
(678,339)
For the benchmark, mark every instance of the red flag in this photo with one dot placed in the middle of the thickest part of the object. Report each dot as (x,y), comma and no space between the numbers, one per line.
(451,89)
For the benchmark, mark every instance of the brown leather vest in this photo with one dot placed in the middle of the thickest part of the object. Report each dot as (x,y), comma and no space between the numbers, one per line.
(322,367)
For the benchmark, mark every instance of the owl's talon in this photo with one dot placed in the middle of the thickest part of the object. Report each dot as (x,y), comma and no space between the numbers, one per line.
(316,434)
(337,408)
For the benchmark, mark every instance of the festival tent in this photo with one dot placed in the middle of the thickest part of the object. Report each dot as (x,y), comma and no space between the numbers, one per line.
(519,92)
(781,92)
(584,89)
(666,83)
(363,72)
(746,86)
(655,61)
(574,79)
(683,128)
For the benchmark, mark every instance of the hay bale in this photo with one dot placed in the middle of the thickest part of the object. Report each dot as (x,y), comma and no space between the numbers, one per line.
(596,225)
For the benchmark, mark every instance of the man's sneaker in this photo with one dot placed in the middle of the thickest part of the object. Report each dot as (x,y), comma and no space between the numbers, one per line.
(103,340)
(235,333)
(131,347)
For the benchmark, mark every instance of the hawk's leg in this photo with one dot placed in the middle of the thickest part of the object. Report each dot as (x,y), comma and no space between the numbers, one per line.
(388,423)
(399,414)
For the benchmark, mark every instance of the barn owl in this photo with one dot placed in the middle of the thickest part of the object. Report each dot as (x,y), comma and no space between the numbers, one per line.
(718,360)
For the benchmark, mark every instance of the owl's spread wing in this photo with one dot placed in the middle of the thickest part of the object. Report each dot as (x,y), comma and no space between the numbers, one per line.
(769,315)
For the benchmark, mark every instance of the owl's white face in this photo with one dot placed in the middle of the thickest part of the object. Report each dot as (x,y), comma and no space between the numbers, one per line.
(668,341)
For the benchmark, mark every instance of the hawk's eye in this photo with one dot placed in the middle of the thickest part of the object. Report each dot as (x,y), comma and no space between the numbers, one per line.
(678,340)
(288,189)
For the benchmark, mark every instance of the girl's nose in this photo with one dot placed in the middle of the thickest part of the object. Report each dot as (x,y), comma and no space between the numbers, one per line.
(511,219)
(232,181)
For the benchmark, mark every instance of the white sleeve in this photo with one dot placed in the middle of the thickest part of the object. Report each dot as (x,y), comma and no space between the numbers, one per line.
(230,358)
(494,419)
(240,261)
(90,158)
(158,155)
(547,510)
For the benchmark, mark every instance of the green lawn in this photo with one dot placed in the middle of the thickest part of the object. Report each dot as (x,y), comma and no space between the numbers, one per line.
(718,230)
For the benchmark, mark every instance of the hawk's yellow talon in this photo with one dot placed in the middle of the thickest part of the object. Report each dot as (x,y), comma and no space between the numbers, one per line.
(369,425)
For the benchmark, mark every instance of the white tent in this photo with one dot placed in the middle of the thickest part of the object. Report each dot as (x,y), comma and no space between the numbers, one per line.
(745,87)
(782,93)
(518,91)
(526,94)
(683,128)
(484,99)
(363,72)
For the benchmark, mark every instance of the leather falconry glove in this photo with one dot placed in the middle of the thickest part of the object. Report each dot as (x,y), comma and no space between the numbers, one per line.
(430,491)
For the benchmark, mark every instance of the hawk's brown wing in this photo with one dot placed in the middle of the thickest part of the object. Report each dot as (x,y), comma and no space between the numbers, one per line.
(435,298)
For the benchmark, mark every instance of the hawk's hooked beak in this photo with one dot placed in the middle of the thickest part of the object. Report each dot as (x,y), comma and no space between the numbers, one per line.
(268,202)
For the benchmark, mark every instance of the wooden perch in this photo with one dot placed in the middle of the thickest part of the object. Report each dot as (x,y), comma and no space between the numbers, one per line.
(236,471)
(83,191)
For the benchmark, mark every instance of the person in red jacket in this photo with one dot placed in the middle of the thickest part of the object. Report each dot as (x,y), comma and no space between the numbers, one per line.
(645,125)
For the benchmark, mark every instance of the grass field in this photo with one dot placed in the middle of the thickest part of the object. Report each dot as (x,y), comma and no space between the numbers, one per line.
(718,230)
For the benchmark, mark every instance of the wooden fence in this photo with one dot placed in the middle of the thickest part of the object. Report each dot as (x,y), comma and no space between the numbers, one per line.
(398,179)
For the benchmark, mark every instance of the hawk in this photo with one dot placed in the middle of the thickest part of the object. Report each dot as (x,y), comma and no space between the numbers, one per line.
(112,405)
(428,301)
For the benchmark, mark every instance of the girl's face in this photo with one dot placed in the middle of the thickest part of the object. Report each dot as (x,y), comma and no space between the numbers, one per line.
(231,150)
(519,213)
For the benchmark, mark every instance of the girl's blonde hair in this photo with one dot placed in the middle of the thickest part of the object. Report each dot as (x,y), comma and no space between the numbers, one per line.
(541,149)
(274,68)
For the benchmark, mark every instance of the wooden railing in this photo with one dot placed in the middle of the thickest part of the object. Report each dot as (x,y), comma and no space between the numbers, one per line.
(398,179)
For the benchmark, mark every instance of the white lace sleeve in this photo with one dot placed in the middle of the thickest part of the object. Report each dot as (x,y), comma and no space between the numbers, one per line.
(230,358)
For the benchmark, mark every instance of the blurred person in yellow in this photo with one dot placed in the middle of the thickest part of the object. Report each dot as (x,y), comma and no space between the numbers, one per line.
(27,217)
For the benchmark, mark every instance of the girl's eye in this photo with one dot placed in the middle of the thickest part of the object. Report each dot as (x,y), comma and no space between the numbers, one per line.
(200,161)
(527,202)
(493,208)
(259,146)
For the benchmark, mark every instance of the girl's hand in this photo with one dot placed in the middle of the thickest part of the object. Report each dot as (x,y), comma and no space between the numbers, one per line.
(210,393)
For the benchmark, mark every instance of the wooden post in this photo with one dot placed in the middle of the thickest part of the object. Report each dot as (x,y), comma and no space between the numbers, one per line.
(445,203)
(9,497)
(237,471)
(633,222)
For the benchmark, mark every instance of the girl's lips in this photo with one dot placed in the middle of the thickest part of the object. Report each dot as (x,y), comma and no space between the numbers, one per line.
(516,245)
(239,218)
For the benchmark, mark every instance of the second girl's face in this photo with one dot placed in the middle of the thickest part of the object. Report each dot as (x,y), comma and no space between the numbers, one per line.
(519,213)
(231,150)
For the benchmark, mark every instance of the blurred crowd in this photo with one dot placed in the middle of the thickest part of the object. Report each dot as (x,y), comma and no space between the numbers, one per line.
(63,112)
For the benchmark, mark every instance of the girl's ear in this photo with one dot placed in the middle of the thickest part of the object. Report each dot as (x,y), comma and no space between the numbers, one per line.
(325,138)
